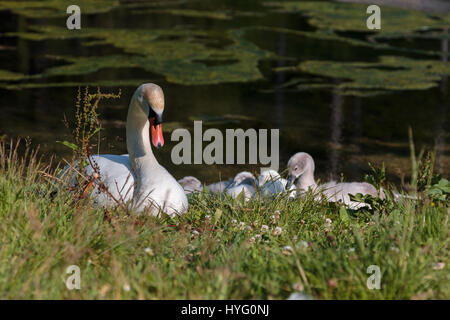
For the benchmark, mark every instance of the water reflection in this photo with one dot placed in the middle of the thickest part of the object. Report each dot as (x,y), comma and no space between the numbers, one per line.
(442,109)
(336,133)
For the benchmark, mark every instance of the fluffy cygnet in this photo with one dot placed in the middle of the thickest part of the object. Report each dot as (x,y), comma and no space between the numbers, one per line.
(301,173)
(244,182)
(270,183)
(219,187)
(191,184)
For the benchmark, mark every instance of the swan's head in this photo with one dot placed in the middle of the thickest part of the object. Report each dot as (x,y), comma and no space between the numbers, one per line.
(244,177)
(299,164)
(268,176)
(151,98)
(191,184)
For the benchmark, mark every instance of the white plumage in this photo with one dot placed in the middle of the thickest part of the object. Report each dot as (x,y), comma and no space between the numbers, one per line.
(137,178)
(301,172)
(243,183)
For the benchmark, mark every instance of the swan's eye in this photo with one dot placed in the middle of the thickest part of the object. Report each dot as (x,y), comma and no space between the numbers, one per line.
(296,168)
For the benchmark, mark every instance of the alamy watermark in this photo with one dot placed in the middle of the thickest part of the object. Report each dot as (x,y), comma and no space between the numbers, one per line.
(74,20)
(374,281)
(74,280)
(374,20)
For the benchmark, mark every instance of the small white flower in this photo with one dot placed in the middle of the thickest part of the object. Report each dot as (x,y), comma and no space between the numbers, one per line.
(287,250)
(208,217)
(257,236)
(252,239)
(303,244)
(275,216)
(328,222)
(438,266)
(241,225)
(264,228)
(395,249)
(234,222)
(277,231)
(300,296)
(149,251)
(194,233)
(298,286)
(351,249)
(126,287)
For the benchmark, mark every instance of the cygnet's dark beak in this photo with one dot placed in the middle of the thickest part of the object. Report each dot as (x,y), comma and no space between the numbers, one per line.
(291,180)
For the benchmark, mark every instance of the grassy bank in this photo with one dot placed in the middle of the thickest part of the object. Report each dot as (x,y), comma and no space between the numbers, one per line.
(219,249)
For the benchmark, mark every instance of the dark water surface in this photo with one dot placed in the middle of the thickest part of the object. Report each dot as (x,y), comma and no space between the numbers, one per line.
(343,132)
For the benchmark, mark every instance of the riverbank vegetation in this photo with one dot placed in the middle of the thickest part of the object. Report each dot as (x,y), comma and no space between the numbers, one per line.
(221,248)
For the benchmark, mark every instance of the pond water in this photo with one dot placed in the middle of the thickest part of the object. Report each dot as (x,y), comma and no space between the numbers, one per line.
(335,90)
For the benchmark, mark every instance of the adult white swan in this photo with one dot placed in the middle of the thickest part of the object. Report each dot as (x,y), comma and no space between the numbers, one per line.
(137,177)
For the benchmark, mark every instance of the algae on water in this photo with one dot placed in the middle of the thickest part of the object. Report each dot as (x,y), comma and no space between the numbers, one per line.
(363,78)
(189,57)
(219,15)
(6,75)
(352,17)
(56,8)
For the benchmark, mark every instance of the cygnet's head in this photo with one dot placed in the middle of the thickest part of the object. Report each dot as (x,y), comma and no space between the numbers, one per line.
(151,98)
(299,164)
(268,176)
(191,184)
(244,177)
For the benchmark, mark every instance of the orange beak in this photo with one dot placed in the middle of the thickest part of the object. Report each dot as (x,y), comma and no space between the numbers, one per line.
(156,133)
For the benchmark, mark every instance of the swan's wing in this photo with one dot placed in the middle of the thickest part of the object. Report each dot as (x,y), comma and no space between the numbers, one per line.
(234,192)
(116,173)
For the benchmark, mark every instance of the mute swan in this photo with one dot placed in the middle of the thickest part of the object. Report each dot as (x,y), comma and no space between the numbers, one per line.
(137,176)
(243,182)
(191,184)
(301,172)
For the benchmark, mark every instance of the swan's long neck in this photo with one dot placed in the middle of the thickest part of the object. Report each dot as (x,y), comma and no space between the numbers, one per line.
(138,141)
(306,181)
